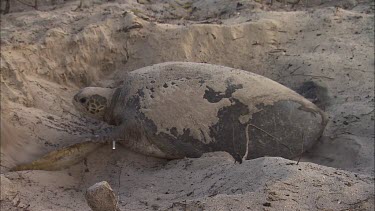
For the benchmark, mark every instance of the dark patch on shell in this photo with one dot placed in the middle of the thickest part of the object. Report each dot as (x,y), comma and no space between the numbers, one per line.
(174,131)
(272,126)
(228,133)
(213,97)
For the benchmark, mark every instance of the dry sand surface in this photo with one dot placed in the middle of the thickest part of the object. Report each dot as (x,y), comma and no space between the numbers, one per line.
(322,49)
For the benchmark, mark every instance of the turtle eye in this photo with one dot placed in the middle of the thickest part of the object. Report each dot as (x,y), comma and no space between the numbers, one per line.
(83,100)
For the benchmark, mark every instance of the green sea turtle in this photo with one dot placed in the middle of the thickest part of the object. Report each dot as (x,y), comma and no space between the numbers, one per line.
(182,109)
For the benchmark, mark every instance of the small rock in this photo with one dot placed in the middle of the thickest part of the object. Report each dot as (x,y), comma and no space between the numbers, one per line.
(100,197)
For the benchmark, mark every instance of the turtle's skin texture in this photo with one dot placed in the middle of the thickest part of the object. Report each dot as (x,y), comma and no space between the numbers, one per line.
(182,109)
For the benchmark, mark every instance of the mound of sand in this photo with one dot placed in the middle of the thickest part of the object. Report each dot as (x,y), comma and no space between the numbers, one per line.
(212,182)
(322,49)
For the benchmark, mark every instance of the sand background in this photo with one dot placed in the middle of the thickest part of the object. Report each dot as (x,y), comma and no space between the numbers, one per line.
(48,54)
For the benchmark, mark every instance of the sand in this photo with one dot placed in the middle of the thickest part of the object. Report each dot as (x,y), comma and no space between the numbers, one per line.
(322,49)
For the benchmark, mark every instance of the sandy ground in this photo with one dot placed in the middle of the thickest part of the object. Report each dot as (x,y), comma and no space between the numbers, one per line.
(322,49)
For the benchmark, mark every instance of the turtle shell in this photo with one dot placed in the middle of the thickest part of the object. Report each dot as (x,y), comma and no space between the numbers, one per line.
(186,109)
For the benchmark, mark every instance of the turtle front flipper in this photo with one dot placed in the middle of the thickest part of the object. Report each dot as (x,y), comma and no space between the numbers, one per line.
(61,158)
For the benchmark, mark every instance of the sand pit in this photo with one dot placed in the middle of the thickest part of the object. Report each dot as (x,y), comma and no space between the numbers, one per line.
(323,50)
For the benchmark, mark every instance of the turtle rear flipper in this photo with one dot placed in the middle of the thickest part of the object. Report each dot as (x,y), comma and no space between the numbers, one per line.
(61,158)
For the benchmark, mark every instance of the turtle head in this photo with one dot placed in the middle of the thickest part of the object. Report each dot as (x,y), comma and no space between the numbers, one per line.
(94,101)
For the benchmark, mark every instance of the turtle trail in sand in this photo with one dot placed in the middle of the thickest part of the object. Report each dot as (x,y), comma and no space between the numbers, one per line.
(182,109)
